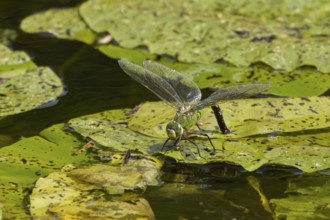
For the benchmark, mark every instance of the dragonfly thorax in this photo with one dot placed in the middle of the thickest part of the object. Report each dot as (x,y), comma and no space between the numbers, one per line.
(187,119)
(174,130)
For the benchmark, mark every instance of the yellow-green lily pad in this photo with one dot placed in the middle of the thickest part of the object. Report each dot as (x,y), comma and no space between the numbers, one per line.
(279,132)
(244,117)
(9,57)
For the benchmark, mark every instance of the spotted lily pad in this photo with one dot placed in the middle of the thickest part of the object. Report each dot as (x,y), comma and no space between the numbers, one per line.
(280,132)
(10,58)
(202,37)
(259,116)
(110,129)
(23,85)
(23,162)
(203,32)
(209,31)
(23,90)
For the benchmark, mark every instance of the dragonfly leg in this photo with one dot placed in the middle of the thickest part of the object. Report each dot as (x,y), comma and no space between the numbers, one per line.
(221,122)
(175,145)
(199,153)
(165,144)
(208,137)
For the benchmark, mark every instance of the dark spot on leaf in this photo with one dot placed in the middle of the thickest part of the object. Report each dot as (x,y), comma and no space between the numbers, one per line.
(312,110)
(213,76)
(268,39)
(270,104)
(242,33)
(305,99)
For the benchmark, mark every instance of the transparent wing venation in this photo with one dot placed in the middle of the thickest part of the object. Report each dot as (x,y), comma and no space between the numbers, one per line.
(169,85)
(187,90)
(230,93)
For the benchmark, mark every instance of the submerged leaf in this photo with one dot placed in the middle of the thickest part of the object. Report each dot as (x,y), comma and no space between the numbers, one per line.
(59,196)
(136,174)
(307,198)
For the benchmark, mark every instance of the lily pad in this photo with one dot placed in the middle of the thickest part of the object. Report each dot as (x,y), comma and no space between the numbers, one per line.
(63,23)
(130,54)
(260,116)
(22,163)
(280,132)
(283,55)
(8,57)
(307,198)
(109,129)
(22,90)
(205,32)
(81,196)
(195,32)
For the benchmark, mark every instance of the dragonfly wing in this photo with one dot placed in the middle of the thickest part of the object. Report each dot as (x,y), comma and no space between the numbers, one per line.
(186,89)
(230,93)
(155,83)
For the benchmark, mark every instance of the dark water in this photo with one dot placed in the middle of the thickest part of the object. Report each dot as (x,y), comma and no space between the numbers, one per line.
(93,83)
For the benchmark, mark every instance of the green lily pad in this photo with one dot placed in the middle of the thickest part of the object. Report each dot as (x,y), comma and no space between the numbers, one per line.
(194,32)
(22,163)
(205,32)
(260,116)
(63,23)
(107,129)
(201,42)
(280,132)
(130,54)
(82,196)
(22,90)
(307,198)
(9,57)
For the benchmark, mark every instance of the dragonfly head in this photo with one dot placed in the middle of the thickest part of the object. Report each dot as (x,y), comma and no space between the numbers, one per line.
(174,130)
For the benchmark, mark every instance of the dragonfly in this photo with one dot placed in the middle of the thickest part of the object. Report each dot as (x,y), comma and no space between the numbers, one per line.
(183,94)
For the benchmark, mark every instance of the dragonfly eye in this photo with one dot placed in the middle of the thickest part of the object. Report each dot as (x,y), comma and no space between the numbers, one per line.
(174,130)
